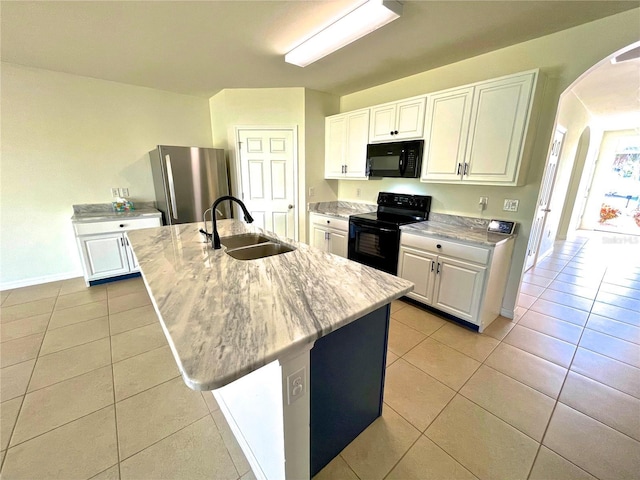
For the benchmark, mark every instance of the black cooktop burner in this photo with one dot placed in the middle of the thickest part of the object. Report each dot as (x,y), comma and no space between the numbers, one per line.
(395,209)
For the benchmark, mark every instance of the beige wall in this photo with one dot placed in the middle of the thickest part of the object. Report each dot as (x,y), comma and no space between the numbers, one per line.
(66,140)
(562,57)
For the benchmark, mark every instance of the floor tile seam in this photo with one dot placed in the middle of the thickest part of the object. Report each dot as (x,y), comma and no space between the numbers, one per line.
(609,356)
(550,287)
(403,455)
(108,468)
(616,305)
(567,305)
(461,352)
(30,301)
(616,319)
(24,395)
(538,356)
(124,459)
(349,466)
(23,318)
(601,383)
(125,331)
(587,327)
(69,348)
(137,354)
(23,336)
(520,381)
(61,381)
(77,323)
(225,443)
(556,319)
(479,406)
(57,427)
(548,335)
(634,440)
(421,370)
(115,410)
(127,309)
(498,417)
(149,388)
(62,309)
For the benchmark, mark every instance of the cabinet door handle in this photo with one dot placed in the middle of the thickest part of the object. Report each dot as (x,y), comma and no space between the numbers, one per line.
(459,167)
(438,269)
(326,235)
(122,225)
(172,189)
(345,169)
(433,264)
(121,241)
(466,169)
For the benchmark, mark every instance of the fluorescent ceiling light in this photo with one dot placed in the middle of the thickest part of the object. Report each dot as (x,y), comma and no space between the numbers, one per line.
(368,17)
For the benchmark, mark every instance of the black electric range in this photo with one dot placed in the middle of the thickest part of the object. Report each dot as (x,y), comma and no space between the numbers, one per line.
(374,238)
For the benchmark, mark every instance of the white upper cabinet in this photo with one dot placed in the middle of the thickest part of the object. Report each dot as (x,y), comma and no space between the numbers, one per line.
(476,134)
(397,120)
(346,138)
(445,134)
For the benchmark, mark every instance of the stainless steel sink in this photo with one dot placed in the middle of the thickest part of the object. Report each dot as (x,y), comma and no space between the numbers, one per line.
(259,251)
(243,240)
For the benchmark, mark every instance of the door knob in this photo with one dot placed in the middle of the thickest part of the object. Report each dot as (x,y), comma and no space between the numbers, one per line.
(289,206)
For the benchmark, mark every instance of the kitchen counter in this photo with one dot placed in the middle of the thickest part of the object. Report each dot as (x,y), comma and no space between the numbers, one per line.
(105,212)
(466,233)
(225,317)
(341,209)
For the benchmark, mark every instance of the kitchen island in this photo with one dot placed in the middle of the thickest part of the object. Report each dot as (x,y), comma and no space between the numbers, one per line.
(292,345)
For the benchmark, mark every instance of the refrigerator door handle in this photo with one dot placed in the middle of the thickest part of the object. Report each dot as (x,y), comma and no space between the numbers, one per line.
(172,190)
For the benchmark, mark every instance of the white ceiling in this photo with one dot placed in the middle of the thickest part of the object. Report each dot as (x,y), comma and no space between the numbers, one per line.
(199,48)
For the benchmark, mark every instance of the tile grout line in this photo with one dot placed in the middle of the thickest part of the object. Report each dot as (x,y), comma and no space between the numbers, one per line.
(557,400)
(24,395)
(113,388)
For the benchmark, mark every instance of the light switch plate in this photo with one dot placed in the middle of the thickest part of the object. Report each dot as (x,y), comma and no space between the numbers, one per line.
(510,205)
(124,192)
(115,192)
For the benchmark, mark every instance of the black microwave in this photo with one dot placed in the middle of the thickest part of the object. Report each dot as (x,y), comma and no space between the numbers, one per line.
(395,159)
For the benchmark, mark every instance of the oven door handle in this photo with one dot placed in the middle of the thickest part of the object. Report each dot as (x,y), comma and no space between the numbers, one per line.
(373,229)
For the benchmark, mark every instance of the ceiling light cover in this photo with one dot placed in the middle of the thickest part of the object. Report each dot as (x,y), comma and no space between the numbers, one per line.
(366,18)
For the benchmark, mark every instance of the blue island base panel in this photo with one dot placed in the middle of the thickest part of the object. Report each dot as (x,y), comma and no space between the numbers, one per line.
(347,384)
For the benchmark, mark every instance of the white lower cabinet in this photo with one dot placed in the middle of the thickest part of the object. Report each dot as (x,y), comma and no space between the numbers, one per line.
(466,281)
(105,249)
(329,234)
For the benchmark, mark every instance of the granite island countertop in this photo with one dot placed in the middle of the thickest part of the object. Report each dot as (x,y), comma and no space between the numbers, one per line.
(466,233)
(225,318)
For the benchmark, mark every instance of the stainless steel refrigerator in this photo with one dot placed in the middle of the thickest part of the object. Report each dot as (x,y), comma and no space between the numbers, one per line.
(187,180)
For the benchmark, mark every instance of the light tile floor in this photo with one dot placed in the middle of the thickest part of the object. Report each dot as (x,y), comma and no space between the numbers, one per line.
(89,389)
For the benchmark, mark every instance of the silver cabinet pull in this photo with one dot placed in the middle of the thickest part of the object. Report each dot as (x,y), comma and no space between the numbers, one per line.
(172,189)
(433,264)
(466,169)
(438,269)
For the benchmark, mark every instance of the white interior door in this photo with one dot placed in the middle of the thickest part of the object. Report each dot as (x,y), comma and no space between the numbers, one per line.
(267,163)
(536,247)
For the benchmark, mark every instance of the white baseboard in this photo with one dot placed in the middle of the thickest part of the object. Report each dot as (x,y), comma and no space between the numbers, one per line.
(507,313)
(39,280)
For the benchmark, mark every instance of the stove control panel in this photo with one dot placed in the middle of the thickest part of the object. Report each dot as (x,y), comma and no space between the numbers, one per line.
(404,201)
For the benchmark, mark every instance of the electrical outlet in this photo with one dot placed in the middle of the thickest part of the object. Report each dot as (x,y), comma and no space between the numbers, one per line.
(312,191)
(510,205)
(115,192)
(124,192)
(482,204)
(296,385)
(358,192)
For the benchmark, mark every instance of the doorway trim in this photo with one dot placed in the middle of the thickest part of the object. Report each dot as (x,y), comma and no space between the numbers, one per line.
(234,150)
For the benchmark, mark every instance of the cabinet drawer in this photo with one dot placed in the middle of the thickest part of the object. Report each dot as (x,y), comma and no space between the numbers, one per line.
(444,247)
(330,222)
(121,225)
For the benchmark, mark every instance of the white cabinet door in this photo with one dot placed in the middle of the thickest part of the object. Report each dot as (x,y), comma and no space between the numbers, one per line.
(497,130)
(410,119)
(334,146)
(397,121)
(319,237)
(356,145)
(345,145)
(418,267)
(445,134)
(458,288)
(383,123)
(105,255)
(338,243)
